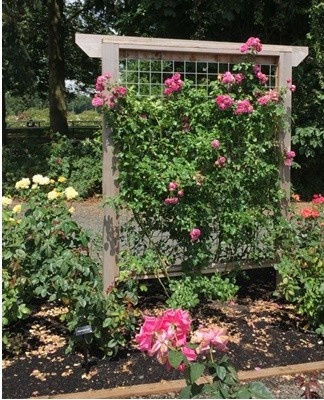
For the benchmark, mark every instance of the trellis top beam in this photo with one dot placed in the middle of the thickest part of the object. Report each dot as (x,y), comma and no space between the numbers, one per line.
(92,46)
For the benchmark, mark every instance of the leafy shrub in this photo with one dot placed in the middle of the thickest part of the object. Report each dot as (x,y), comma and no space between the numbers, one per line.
(78,160)
(190,291)
(301,265)
(23,158)
(46,255)
(309,178)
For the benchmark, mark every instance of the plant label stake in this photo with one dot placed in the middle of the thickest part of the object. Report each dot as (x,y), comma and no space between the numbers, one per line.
(81,332)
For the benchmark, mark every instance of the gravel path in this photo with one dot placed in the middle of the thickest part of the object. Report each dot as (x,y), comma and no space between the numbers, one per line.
(89,214)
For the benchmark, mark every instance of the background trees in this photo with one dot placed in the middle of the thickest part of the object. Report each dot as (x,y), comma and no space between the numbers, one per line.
(40,54)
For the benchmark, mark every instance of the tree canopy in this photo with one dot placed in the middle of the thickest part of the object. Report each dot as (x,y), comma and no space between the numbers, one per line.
(39,56)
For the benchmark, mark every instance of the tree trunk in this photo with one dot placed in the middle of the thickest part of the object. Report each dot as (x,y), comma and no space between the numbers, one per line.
(57,99)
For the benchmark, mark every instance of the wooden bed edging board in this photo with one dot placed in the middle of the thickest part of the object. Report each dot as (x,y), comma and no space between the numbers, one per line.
(126,392)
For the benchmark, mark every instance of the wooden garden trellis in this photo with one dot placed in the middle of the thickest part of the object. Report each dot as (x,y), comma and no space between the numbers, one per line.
(112,49)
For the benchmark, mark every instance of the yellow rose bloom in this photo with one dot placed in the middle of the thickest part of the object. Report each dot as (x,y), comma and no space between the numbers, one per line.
(70,193)
(6,201)
(23,183)
(61,179)
(53,194)
(71,210)
(17,209)
(52,181)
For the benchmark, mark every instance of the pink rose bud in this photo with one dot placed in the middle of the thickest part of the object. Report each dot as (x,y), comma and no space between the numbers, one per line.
(215,144)
(173,185)
(171,200)
(221,161)
(195,233)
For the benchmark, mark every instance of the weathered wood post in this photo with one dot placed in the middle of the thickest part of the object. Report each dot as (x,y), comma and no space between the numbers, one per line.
(110,63)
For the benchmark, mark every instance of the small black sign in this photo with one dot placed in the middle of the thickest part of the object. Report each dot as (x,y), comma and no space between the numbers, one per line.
(83,330)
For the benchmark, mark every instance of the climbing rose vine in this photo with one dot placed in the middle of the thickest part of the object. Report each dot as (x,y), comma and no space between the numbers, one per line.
(198,171)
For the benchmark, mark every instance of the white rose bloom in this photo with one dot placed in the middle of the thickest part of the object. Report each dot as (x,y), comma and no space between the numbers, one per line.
(37,178)
(6,201)
(41,180)
(45,181)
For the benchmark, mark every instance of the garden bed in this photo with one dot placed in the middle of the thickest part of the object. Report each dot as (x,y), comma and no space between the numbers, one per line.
(264,333)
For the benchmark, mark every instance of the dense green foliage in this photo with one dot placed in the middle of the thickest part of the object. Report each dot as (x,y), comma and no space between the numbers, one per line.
(77,160)
(301,265)
(188,165)
(46,255)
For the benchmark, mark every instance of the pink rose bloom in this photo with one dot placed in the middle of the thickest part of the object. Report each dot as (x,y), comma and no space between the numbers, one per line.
(144,338)
(290,154)
(309,213)
(120,91)
(224,101)
(289,157)
(271,96)
(208,337)
(263,100)
(173,84)
(215,144)
(177,323)
(97,101)
(243,107)
(189,353)
(228,77)
(318,199)
(173,185)
(256,69)
(102,81)
(181,193)
(195,233)
(290,86)
(262,77)
(239,78)
(110,101)
(244,48)
(253,44)
(171,200)
(221,161)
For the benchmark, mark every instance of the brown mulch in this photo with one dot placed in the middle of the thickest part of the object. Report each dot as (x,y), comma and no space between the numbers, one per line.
(264,332)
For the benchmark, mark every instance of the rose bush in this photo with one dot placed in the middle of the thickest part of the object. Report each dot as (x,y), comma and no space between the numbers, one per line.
(169,338)
(301,265)
(46,255)
(198,170)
